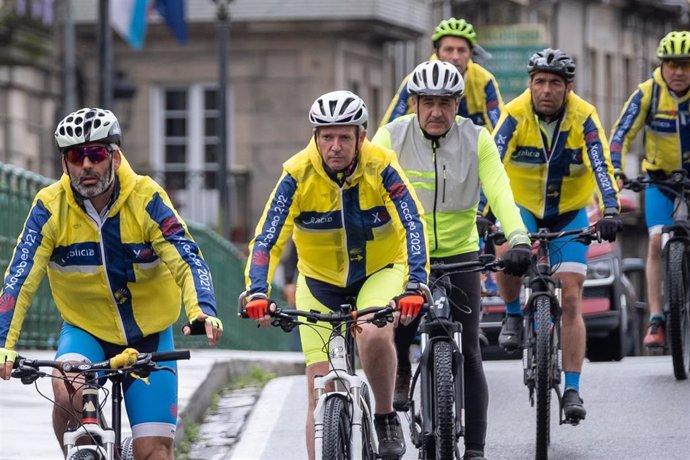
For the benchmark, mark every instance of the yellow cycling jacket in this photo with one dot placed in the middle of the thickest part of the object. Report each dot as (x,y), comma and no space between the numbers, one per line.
(550,183)
(342,234)
(666,121)
(120,282)
(481,102)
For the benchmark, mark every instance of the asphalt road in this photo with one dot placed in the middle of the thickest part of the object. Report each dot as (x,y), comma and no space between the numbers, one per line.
(635,410)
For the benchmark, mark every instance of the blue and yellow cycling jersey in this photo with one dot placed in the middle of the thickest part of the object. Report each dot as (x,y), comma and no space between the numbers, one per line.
(342,234)
(121,280)
(481,102)
(666,121)
(562,176)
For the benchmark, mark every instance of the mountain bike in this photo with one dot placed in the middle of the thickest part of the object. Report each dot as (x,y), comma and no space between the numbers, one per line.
(105,441)
(343,419)
(541,348)
(438,422)
(675,244)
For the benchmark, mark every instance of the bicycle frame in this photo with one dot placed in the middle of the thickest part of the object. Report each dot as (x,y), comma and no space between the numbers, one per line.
(90,425)
(541,282)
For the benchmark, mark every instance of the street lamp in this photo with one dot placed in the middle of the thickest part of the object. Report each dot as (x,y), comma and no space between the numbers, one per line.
(223,32)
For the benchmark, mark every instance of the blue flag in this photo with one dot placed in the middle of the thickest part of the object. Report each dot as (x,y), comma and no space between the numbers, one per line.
(173,13)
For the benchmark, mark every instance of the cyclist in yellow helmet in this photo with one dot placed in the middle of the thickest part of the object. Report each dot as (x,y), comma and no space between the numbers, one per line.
(454,40)
(660,105)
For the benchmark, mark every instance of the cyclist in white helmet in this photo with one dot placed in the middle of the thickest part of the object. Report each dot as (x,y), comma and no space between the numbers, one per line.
(449,157)
(359,232)
(120,261)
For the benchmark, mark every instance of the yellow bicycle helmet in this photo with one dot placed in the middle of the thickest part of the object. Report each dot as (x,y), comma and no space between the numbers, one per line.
(455,28)
(675,45)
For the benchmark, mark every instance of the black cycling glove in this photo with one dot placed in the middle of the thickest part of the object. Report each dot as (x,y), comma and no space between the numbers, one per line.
(483,226)
(609,226)
(517,260)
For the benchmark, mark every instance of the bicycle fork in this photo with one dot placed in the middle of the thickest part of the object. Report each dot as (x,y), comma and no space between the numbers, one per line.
(348,386)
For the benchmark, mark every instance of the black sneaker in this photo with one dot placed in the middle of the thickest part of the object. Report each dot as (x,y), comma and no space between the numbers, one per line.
(390,434)
(573,409)
(473,455)
(401,397)
(510,337)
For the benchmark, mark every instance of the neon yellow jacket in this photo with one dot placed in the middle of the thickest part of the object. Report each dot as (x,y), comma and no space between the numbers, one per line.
(481,103)
(446,176)
(579,164)
(120,282)
(342,234)
(666,127)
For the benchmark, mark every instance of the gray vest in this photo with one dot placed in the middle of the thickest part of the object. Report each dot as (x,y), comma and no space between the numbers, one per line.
(457,164)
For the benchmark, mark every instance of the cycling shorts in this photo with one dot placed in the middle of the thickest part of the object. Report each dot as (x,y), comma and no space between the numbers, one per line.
(566,255)
(659,209)
(374,291)
(151,409)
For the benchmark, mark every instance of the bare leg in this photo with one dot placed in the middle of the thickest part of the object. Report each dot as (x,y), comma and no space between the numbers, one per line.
(653,274)
(573,331)
(61,416)
(153,448)
(378,356)
(508,285)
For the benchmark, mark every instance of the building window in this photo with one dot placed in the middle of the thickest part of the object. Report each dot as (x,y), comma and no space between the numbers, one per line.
(186,145)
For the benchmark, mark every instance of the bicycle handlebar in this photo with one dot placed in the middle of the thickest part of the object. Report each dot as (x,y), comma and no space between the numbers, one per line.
(485,262)
(585,235)
(672,181)
(129,361)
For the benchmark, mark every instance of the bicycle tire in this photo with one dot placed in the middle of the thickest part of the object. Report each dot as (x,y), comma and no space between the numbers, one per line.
(678,321)
(368,452)
(336,429)
(544,377)
(86,454)
(444,400)
(127,449)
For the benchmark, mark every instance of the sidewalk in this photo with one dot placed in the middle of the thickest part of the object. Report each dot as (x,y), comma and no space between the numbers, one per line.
(25,417)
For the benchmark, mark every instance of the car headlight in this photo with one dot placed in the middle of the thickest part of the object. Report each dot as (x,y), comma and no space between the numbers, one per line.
(599,269)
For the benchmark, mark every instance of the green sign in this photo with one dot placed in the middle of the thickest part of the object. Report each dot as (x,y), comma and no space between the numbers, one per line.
(511,48)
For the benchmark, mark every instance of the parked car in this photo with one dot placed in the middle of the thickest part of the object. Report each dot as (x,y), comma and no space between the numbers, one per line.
(613,315)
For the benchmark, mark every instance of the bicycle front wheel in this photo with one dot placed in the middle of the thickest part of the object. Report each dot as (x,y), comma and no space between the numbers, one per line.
(444,400)
(679,311)
(544,381)
(336,429)
(367,416)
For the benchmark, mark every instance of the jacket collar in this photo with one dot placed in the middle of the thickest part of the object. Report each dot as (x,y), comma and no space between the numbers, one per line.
(126,178)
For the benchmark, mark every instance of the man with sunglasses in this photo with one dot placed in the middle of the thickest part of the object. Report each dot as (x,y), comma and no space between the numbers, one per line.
(120,261)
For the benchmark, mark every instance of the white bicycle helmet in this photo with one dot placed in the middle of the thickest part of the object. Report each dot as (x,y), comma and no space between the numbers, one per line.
(88,125)
(436,78)
(338,108)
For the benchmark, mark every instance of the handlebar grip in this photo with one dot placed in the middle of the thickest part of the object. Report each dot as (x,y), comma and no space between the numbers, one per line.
(173,355)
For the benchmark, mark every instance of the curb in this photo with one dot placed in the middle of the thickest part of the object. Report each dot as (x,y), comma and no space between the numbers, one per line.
(218,376)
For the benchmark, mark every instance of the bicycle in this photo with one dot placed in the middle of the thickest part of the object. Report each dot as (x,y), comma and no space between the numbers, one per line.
(343,419)
(438,425)
(106,443)
(675,244)
(541,342)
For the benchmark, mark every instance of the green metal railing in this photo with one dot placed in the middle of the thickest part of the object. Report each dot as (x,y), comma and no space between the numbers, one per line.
(42,323)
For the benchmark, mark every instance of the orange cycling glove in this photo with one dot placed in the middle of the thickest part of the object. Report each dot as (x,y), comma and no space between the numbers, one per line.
(409,303)
(257,308)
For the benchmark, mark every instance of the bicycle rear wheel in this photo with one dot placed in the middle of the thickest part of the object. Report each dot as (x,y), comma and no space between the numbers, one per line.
(544,381)
(444,400)
(336,429)
(679,311)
